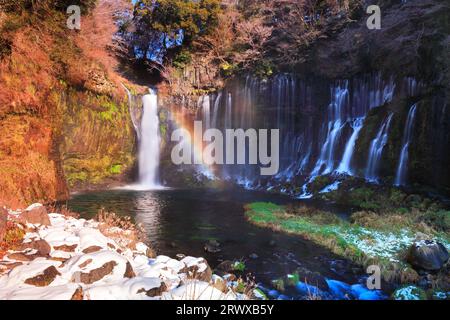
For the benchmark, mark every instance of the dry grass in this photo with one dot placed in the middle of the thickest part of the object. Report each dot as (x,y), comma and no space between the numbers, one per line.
(124,231)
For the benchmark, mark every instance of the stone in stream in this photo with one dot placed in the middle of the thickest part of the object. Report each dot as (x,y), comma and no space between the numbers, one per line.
(225,267)
(427,255)
(253,256)
(212,246)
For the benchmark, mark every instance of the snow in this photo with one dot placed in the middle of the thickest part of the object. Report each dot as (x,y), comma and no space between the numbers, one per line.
(161,272)
(332,187)
(61,292)
(407,293)
(197,290)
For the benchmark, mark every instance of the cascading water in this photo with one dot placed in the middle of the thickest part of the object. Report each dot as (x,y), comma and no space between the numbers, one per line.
(310,144)
(132,109)
(376,149)
(344,166)
(402,170)
(149,143)
(335,125)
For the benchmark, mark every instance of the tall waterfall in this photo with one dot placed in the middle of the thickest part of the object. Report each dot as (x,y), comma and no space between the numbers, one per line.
(149,142)
(402,170)
(376,149)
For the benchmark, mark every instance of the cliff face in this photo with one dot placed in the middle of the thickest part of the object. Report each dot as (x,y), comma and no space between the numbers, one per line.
(63,114)
(412,45)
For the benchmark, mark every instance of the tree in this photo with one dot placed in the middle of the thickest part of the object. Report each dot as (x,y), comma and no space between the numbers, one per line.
(162,25)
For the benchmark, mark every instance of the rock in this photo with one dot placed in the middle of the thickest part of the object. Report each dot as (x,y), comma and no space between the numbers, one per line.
(129,272)
(92,249)
(3,223)
(35,214)
(224,267)
(197,268)
(253,256)
(20,256)
(10,266)
(96,274)
(66,248)
(427,255)
(41,246)
(180,256)
(155,292)
(78,294)
(212,246)
(85,264)
(44,279)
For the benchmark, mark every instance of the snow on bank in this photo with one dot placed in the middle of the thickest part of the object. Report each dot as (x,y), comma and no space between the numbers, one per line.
(71,259)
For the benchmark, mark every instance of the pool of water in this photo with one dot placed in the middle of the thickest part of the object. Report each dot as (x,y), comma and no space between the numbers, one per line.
(182,221)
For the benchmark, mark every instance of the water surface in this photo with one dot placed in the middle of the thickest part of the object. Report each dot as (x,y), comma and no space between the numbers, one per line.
(182,221)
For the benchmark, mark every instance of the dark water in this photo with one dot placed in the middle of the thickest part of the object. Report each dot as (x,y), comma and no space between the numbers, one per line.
(182,221)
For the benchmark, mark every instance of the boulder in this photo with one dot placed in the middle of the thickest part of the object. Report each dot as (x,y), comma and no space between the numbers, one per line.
(41,246)
(44,279)
(225,267)
(427,255)
(3,220)
(35,214)
(96,274)
(197,268)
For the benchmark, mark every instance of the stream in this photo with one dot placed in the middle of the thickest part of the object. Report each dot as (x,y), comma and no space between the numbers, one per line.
(183,221)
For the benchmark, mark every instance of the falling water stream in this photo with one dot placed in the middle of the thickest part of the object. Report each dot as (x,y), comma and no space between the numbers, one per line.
(149,142)
(401,176)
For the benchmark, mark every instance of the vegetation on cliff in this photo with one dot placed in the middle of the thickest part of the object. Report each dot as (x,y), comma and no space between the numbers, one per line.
(64,114)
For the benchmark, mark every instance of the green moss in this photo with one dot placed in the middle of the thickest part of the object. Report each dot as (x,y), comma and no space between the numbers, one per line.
(116,169)
(239,266)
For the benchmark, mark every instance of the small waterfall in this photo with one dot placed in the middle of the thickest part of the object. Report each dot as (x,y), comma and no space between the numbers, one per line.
(216,109)
(376,149)
(132,110)
(344,166)
(402,170)
(149,143)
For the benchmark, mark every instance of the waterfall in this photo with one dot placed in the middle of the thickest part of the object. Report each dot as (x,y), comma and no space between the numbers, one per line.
(335,126)
(318,130)
(216,109)
(149,143)
(344,166)
(132,112)
(376,149)
(402,170)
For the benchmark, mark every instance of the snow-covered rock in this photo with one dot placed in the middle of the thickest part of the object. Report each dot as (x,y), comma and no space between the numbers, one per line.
(81,262)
